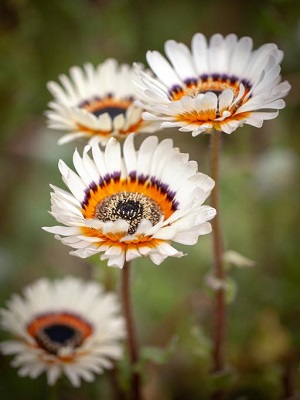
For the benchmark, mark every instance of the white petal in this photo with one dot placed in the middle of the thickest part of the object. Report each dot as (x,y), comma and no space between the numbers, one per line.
(98,157)
(145,155)
(112,156)
(74,183)
(105,122)
(162,69)
(119,122)
(78,164)
(62,230)
(129,152)
(53,374)
(181,59)
(199,50)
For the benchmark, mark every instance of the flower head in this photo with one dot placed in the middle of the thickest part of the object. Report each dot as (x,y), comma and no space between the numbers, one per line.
(96,103)
(66,327)
(218,85)
(132,205)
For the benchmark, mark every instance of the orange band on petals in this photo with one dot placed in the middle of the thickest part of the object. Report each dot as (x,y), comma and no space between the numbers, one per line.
(43,321)
(112,187)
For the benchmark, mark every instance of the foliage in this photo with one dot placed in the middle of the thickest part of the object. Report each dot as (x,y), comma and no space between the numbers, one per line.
(260,195)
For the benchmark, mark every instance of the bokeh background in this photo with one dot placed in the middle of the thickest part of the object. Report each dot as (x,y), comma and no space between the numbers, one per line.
(259,198)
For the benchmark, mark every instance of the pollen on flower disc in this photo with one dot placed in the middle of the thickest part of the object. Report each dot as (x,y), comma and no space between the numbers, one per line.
(133,207)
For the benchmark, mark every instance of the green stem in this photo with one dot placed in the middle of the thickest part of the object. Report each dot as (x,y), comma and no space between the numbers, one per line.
(131,333)
(53,392)
(220,307)
(117,392)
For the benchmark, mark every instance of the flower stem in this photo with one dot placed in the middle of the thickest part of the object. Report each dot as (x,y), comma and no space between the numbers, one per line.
(219,274)
(131,333)
(117,392)
(53,392)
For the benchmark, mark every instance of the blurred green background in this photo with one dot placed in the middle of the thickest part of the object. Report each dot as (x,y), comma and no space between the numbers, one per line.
(259,199)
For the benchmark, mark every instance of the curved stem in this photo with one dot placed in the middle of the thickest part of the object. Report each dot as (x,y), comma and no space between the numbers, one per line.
(220,309)
(131,333)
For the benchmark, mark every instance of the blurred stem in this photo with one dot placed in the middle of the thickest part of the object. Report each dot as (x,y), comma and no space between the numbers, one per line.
(220,311)
(288,378)
(53,391)
(131,333)
(117,392)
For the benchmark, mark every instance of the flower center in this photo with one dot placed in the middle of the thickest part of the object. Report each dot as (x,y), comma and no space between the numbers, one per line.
(112,111)
(107,104)
(215,83)
(56,336)
(55,331)
(133,207)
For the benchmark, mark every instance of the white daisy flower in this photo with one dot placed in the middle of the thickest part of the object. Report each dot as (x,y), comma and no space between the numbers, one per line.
(66,327)
(97,103)
(131,206)
(218,85)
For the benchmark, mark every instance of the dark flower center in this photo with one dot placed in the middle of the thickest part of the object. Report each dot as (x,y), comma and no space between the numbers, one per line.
(60,333)
(133,207)
(107,104)
(112,111)
(56,336)
(54,331)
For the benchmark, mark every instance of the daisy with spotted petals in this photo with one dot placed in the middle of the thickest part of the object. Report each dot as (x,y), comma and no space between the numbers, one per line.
(96,103)
(65,327)
(219,84)
(131,205)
